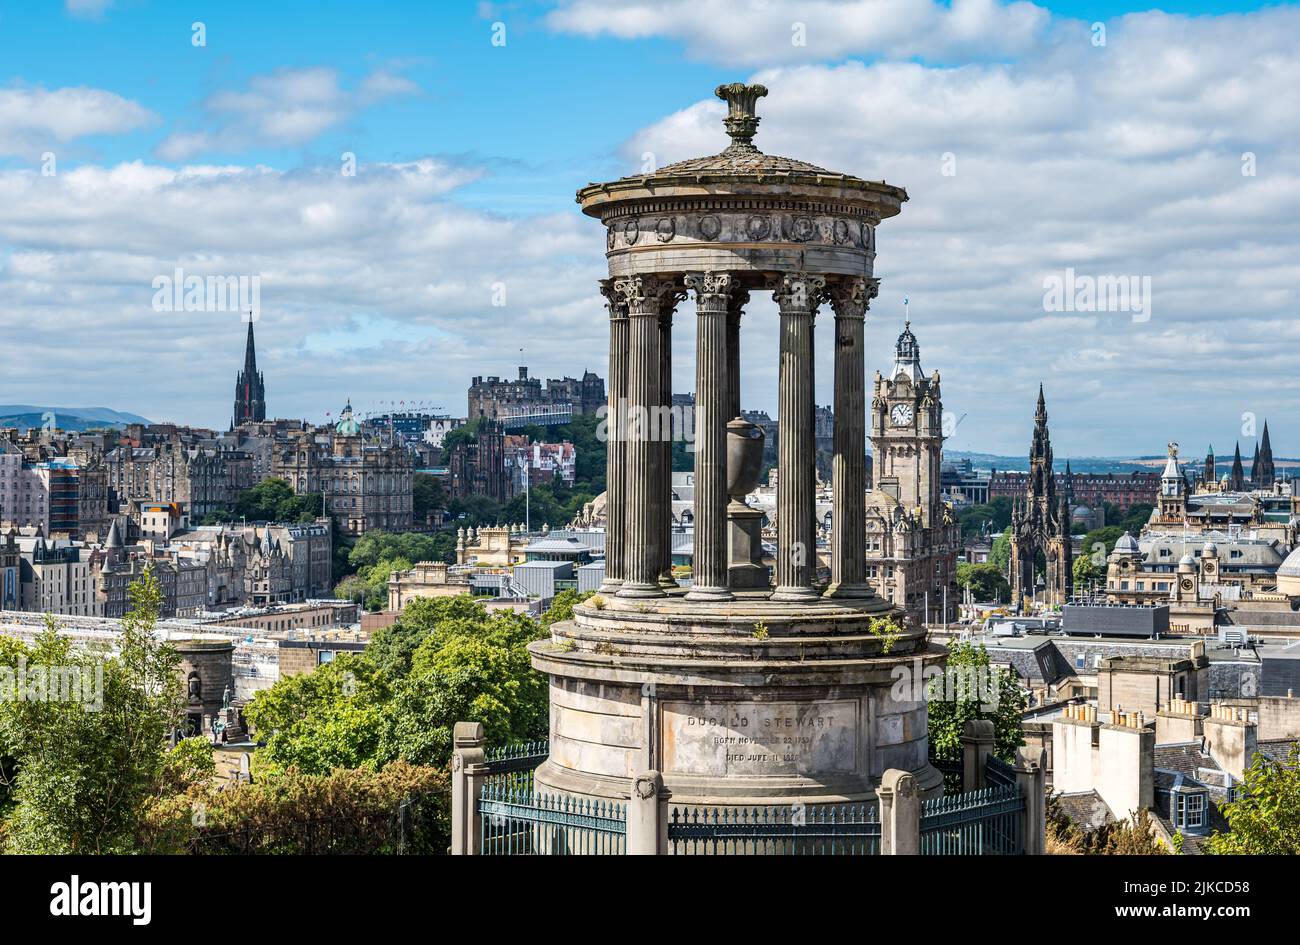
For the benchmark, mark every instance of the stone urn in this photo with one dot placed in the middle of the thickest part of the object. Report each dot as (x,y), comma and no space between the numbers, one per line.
(744,525)
(744,458)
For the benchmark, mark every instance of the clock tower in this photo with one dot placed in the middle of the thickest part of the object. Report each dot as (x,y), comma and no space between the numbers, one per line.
(912,535)
(907,431)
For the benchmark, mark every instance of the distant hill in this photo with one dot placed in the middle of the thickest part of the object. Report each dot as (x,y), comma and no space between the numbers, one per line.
(1092,464)
(1079,464)
(26,416)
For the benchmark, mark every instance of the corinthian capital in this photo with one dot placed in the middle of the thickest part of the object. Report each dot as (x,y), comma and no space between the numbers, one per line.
(798,292)
(648,295)
(852,297)
(712,289)
(614,303)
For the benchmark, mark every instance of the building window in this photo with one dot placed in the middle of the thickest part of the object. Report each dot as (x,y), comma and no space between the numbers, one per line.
(1190,810)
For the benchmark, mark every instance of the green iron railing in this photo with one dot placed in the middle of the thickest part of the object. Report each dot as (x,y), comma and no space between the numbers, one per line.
(979,823)
(997,773)
(521,823)
(512,766)
(852,829)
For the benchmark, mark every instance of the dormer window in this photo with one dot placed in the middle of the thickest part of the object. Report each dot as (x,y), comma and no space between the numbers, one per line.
(1189,810)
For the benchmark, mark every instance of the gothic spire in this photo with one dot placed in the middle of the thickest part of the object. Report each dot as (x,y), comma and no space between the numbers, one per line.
(250,389)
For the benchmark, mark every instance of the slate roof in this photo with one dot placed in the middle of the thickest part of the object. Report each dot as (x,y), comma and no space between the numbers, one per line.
(742,162)
(1085,808)
(1192,763)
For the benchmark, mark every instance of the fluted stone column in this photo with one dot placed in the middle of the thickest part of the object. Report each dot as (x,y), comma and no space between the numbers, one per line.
(797,296)
(850,299)
(738,299)
(712,291)
(643,296)
(664,486)
(616,443)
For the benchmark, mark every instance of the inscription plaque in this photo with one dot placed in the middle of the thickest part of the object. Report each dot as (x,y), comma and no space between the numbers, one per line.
(761,739)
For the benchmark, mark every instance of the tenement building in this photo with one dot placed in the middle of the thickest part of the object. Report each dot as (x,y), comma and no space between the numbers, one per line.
(1040,525)
(912,534)
(748,687)
(366,482)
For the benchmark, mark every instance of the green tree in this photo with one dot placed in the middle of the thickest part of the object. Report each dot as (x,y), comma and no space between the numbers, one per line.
(974,689)
(392,647)
(994,515)
(1103,537)
(1086,570)
(1265,817)
(446,660)
(428,496)
(87,769)
(1000,552)
(562,605)
(986,582)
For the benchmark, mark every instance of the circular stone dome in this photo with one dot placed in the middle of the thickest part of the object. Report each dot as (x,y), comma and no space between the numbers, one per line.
(1210,548)
(1126,544)
(1187,563)
(1288,575)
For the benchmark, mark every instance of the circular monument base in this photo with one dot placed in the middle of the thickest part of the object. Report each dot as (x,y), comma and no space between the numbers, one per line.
(745,702)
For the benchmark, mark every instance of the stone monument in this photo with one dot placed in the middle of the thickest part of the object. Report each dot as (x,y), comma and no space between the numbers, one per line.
(740,688)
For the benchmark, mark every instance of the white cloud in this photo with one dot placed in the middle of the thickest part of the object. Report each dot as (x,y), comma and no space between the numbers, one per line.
(761,32)
(33,119)
(383,263)
(87,9)
(284,108)
(1119,160)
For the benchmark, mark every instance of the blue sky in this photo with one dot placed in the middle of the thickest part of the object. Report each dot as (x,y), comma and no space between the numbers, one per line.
(1124,159)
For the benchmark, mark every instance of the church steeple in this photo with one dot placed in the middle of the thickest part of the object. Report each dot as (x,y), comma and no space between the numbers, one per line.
(1263,475)
(250,390)
(1237,479)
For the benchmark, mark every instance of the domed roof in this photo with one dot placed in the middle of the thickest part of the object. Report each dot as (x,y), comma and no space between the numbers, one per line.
(744,164)
(1291,566)
(347,426)
(1126,544)
(1210,548)
(1186,561)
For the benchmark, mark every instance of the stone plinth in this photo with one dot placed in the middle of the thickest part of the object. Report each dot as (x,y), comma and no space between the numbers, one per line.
(747,702)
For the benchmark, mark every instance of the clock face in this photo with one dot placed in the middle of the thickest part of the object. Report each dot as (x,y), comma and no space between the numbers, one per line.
(901,415)
(1187,584)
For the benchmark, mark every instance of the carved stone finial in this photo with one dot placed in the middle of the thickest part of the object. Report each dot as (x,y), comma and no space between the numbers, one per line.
(741,121)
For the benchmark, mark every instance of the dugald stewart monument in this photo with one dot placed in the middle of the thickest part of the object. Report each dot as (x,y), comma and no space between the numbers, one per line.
(745,687)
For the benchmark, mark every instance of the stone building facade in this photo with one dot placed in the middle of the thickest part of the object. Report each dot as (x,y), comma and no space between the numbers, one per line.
(501,398)
(366,483)
(912,535)
(478,466)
